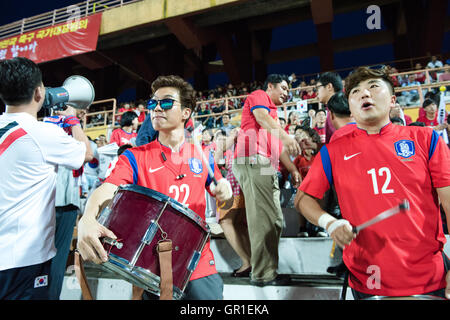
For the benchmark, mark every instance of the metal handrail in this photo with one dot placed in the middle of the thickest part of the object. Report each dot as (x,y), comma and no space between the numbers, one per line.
(237,110)
(61,15)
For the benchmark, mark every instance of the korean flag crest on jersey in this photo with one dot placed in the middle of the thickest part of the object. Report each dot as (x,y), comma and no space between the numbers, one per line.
(405,148)
(195,165)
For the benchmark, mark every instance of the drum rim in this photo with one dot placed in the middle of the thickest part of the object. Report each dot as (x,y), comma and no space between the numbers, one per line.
(423,296)
(173,203)
(138,276)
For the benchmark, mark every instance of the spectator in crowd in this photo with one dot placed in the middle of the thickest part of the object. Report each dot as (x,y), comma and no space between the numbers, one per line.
(320,119)
(420,76)
(292,80)
(293,120)
(141,112)
(126,106)
(309,94)
(30,153)
(226,125)
(433,64)
(146,133)
(354,163)
(101,141)
(328,84)
(255,167)
(67,207)
(127,131)
(303,162)
(446,75)
(89,180)
(340,115)
(410,97)
(430,117)
(310,120)
(397,112)
(170,107)
(233,220)
(206,120)
(208,145)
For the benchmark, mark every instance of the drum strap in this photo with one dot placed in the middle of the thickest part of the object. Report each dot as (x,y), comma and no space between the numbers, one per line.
(165,265)
(81,276)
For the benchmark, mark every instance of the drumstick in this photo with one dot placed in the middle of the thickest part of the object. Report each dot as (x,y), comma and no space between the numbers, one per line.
(210,172)
(402,207)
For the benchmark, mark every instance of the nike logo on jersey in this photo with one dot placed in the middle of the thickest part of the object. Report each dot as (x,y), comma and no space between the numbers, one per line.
(154,170)
(349,157)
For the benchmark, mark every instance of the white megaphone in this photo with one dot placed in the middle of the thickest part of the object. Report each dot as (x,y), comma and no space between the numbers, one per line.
(76,91)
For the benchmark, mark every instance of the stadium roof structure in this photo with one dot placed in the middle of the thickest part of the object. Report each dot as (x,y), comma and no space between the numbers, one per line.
(140,40)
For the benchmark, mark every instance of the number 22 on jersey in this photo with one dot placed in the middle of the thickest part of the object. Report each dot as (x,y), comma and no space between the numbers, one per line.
(177,190)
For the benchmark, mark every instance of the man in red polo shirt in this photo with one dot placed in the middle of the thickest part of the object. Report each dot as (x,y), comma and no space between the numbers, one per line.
(374,168)
(259,148)
(168,165)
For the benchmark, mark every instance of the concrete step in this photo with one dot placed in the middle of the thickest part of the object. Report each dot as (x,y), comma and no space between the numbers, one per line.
(106,286)
(305,259)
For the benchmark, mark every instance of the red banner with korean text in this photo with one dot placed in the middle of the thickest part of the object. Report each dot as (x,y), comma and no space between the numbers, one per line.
(54,42)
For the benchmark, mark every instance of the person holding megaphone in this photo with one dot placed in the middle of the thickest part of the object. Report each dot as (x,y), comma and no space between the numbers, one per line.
(30,152)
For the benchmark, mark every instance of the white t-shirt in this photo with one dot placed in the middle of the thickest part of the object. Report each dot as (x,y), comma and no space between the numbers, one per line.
(30,151)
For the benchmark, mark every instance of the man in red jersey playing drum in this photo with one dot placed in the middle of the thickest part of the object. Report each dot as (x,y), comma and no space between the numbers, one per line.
(373,169)
(168,165)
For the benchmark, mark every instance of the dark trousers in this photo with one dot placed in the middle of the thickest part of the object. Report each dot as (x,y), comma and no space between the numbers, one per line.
(66,218)
(26,283)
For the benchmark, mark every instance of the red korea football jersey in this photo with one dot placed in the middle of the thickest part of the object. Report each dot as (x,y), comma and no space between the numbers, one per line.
(252,139)
(121,137)
(156,173)
(349,127)
(372,173)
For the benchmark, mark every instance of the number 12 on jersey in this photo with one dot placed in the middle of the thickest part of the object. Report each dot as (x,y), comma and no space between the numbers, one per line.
(384,171)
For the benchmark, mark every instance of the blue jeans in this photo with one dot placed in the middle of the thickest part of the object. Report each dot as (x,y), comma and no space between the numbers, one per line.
(66,218)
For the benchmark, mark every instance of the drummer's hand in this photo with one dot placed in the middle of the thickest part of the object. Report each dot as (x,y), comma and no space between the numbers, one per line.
(447,288)
(89,245)
(222,191)
(341,232)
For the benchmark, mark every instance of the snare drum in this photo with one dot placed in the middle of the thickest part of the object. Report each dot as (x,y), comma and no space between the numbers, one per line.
(140,218)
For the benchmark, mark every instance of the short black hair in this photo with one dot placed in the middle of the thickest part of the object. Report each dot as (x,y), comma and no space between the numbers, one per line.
(417,124)
(338,104)
(127,118)
(427,102)
(397,119)
(333,78)
(274,79)
(122,148)
(19,77)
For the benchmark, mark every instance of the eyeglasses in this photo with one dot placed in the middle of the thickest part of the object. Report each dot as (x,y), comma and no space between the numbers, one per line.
(165,104)
(319,85)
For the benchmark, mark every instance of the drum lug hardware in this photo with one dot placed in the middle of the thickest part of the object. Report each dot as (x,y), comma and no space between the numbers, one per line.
(113,242)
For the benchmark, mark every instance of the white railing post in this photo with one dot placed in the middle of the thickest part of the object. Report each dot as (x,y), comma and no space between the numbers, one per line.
(54,17)
(87,8)
(23,26)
